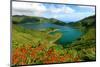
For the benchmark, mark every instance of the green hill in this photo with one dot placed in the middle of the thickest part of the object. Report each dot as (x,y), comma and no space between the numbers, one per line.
(16,19)
(86,22)
(87,42)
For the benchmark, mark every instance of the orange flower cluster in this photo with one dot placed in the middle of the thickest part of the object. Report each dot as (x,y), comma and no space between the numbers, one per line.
(19,56)
(29,55)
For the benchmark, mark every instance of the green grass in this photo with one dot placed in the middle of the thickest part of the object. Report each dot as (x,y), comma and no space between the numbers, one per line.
(23,36)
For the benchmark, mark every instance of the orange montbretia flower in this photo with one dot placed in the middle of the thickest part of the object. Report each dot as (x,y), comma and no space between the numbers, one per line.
(50,51)
(27,53)
(23,57)
(14,60)
(54,59)
(18,55)
(23,50)
(33,54)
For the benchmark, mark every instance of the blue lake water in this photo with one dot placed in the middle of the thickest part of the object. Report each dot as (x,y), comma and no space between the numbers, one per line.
(69,34)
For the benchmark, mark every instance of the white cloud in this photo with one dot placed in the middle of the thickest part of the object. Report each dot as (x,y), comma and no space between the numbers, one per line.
(87,7)
(91,8)
(24,8)
(63,9)
(68,10)
(22,5)
(37,9)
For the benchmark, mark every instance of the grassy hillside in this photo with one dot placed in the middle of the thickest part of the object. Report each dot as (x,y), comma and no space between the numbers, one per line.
(22,36)
(36,47)
(40,47)
(86,22)
(33,19)
(28,19)
(88,40)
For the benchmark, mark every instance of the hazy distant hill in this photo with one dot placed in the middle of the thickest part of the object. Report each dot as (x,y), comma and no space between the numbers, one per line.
(88,25)
(33,19)
(86,22)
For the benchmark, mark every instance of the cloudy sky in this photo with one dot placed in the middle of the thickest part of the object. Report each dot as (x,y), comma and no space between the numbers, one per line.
(62,12)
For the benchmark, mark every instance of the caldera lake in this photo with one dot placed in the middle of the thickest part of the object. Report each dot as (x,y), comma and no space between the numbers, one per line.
(69,34)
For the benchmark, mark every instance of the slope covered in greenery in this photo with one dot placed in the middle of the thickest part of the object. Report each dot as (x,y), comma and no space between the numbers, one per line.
(88,40)
(86,22)
(33,19)
(40,47)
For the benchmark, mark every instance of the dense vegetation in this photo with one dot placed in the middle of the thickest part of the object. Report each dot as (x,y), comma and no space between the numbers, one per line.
(39,47)
(88,40)
(33,19)
(86,22)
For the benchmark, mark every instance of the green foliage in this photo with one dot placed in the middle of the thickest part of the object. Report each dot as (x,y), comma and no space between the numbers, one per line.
(40,46)
(22,36)
(33,19)
(84,23)
(86,44)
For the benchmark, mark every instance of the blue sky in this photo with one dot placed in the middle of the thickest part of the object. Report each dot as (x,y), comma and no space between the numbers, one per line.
(67,13)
